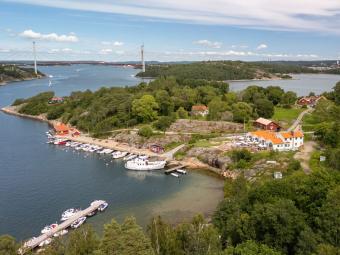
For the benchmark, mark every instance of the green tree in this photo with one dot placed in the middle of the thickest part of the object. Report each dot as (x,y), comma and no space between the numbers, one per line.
(145,108)
(8,245)
(198,238)
(163,238)
(328,219)
(166,105)
(289,98)
(264,108)
(337,93)
(125,239)
(241,112)
(278,224)
(82,241)
(163,123)
(216,107)
(250,247)
(182,113)
(274,94)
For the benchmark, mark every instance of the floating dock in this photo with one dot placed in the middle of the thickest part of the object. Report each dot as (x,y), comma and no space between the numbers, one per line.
(173,169)
(30,245)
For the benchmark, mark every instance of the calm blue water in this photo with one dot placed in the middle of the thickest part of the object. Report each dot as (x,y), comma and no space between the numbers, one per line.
(39,181)
(302,84)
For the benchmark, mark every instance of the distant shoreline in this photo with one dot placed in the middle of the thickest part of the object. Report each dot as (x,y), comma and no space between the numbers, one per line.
(3,83)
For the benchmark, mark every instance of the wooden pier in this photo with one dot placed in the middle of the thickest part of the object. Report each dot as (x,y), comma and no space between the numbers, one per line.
(29,245)
(173,169)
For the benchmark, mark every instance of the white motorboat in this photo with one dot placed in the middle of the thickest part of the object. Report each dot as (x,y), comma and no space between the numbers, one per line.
(175,175)
(129,157)
(48,228)
(46,242)
(143,157)
(119,154)
(108,151)
(181,171)
(103,206)
(78,222)
(68,214)
(145,165)
(61,233)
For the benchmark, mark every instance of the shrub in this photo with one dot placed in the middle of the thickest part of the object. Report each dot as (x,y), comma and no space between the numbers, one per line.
(145,131)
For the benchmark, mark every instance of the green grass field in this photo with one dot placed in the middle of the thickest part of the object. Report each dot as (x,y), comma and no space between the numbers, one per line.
(286,116)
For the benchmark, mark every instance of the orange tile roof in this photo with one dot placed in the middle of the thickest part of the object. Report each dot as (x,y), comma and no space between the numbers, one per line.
(199,108)
(61,127)
(275,137)
(291,134)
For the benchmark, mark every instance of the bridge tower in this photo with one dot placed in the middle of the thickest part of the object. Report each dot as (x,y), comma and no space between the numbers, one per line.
(142,56)
(35,59)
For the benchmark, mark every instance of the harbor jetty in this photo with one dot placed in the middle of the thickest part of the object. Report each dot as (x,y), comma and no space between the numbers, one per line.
(34,242)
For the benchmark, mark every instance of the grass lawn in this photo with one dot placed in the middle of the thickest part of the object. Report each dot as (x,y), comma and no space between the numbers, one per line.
(286,115)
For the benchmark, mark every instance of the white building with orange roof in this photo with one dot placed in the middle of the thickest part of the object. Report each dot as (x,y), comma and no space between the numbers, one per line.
(278,141)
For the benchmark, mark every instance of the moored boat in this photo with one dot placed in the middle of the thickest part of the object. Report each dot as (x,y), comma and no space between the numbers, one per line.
(48,228)
(61,233)
(119,154)
(78,222)
(181,171)
(175,175)
(68,214)
(46,242)
(144,165)
(103,206)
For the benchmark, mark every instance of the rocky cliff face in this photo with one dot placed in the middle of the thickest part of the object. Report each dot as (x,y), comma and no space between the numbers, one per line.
(211,156)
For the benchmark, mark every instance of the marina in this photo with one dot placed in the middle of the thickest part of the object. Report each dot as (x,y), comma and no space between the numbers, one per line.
(74,221)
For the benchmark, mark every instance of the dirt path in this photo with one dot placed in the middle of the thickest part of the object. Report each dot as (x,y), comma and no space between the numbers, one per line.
(304,155)
(299,118)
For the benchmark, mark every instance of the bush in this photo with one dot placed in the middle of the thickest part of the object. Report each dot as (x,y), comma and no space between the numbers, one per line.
(145,131)
(163,123)
(18,101)
(243,154)
(55,112)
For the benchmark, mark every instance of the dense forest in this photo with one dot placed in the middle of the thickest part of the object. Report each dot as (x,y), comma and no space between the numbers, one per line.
(10,73)
(159,103)
(224,70)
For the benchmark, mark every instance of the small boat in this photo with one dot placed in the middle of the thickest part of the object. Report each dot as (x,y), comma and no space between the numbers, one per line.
(119,154)
(68,214)
(28,243)
(48,228)
(103,206)
(182,171)
(129,157)
(144,157)
(61,233)
(78,222)
(175,175)
(46,242)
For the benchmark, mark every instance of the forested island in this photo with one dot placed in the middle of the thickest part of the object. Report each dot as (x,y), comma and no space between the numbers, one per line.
(11,73)
(225,70)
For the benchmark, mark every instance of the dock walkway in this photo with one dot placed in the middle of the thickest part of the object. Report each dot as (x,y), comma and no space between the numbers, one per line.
(173,169)
(36,241)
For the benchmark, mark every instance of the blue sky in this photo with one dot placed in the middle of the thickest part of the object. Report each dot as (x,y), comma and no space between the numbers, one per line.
(172,30)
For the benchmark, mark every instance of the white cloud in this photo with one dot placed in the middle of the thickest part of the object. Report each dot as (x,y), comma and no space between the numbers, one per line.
(239,46)
(4,50)
(301,15)
(115,44)
(105,51)
(262,46)
(49,37)
(207,43)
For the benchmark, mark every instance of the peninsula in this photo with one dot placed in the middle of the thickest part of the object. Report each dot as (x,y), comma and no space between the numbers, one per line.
(11,73)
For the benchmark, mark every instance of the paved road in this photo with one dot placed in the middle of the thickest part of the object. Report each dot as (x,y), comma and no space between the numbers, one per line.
(170,154)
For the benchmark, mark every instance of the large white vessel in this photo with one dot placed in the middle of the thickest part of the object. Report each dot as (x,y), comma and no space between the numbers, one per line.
(145,165)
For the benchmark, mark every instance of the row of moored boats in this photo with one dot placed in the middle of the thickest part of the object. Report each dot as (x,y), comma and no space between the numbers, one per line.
(67,215)
(133,161)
